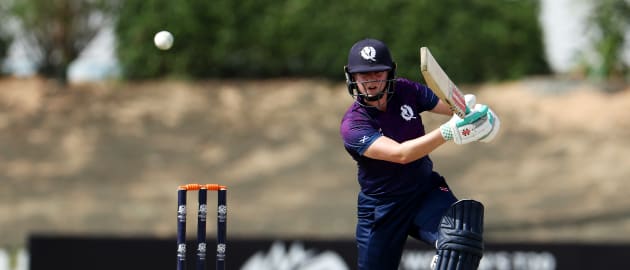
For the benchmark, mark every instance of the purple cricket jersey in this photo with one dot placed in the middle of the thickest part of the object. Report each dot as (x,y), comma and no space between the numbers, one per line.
(361,126)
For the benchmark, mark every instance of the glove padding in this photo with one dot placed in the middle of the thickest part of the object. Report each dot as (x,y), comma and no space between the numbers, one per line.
(477,125)
(471,100)
(496,125)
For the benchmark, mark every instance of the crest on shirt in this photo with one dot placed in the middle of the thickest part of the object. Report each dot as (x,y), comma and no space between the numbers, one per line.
(406,112)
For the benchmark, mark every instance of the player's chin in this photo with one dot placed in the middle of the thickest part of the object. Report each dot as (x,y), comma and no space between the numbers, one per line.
(374,91)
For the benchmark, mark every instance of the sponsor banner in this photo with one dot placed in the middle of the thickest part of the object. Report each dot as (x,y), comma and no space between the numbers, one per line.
(73,252)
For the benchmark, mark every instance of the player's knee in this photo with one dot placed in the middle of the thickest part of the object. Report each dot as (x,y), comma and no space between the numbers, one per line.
(460,236)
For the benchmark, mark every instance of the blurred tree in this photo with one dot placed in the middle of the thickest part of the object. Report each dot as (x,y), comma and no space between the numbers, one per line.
(59,30)
(5,40)
(476,40)
(608,25)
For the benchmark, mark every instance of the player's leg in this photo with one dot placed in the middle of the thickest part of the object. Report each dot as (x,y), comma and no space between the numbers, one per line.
(460,238)
(454,227)
(380,239)
(433,206)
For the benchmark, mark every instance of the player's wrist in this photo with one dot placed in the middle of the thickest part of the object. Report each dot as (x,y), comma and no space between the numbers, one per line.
(446,131)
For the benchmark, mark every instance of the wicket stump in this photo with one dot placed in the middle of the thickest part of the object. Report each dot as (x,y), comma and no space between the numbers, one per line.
(201,224)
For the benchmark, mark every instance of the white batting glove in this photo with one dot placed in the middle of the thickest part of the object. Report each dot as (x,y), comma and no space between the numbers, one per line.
(496,125)
(471,100)
(475,126)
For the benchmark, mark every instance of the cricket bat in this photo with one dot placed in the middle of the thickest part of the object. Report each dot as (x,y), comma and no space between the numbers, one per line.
(441,84)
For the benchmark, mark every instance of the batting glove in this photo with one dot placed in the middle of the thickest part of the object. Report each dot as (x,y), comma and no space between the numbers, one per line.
(475,126)
(496,125)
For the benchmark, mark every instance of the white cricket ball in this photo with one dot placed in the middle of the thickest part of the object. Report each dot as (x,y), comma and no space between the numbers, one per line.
(163,40)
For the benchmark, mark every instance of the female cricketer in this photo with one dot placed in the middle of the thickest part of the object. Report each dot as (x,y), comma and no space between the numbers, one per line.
(401,195)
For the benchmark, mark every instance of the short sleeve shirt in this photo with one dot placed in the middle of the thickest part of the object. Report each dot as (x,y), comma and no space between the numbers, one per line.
(362,125)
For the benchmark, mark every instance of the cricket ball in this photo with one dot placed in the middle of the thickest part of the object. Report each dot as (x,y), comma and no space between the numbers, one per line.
(163,40)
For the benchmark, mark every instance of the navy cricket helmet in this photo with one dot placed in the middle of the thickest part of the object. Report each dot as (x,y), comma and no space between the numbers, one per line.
(369,55)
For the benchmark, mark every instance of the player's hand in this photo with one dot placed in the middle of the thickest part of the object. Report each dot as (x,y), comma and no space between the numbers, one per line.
(496,125)
(475,126)
(471,101)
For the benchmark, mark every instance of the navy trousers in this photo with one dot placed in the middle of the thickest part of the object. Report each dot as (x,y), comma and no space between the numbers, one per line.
(384,223)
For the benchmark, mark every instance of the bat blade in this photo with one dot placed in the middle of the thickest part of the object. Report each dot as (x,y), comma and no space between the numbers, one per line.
(441,84)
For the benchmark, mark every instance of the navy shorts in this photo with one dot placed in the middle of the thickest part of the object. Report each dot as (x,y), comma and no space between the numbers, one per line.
(385,223)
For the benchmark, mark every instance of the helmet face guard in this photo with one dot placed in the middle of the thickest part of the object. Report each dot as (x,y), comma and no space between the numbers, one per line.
(369,55)
(353,88)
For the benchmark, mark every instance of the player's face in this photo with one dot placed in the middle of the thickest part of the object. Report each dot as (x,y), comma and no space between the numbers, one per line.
(371,83)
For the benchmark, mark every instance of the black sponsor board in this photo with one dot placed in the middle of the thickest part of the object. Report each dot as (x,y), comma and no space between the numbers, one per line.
(102,252)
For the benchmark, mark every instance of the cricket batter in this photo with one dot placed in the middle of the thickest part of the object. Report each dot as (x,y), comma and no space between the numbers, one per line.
(400,193)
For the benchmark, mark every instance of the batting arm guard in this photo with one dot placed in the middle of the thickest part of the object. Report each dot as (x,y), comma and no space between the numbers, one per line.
(460,237)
